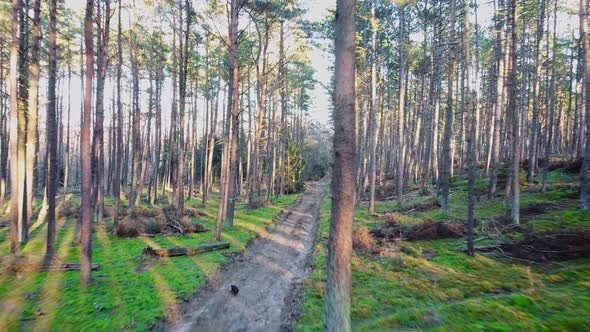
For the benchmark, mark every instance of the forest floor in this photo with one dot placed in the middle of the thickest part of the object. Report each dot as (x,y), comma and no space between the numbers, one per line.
(130,291)
(269,275)
(433,285)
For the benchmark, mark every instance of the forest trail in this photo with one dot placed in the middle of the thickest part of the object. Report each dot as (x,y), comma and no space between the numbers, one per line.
(269,275)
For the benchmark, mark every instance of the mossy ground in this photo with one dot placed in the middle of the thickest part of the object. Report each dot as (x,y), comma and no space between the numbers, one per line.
(455,292)
(121,296)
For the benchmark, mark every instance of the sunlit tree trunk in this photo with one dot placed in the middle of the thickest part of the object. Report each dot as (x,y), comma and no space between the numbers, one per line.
(373,112)
(13,127)
(498,108)
(85,202)
(447,152)
(337,301)
(32,116)
(586,86)
(235,112)
(98,146)
(52,129)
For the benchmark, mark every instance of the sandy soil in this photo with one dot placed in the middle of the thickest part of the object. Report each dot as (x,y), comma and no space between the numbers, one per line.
(269,275)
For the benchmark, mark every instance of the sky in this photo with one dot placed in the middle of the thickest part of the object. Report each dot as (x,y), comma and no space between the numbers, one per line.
(321,105)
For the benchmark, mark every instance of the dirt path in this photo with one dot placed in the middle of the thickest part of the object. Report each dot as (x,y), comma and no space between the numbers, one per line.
(268,274)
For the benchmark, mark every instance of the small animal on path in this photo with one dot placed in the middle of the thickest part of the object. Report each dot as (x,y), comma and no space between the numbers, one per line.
(234,290)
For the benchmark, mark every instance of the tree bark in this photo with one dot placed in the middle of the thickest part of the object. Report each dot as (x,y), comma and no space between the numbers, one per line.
(52,129)
(85,203)
(586,84)
(447,151)
(373,111)
(512,107)
(14,189)
(337,302)
(235,112)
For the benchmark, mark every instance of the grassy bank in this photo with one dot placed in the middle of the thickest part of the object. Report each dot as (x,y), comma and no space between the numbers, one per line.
(128,292)
(405,290)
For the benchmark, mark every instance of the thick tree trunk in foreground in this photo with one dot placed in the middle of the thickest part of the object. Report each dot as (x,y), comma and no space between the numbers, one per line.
(337,305)
(85,202)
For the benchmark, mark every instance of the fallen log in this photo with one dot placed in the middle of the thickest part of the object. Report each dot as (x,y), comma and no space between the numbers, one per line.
(184,251)
(14,264)
(65,267)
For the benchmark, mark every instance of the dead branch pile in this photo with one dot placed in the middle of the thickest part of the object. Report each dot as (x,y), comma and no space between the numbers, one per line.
(392,231)
(551,246)
(154,221)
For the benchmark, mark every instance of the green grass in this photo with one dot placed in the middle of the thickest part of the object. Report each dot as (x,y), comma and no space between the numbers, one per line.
(120,296)
(455,292)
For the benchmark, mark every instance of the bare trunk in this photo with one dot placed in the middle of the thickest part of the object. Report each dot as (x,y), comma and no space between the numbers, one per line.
(337,302)
(14,196)
(85,202)
(52,130)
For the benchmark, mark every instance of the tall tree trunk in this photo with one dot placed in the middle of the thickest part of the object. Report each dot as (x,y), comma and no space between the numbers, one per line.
(182,85)
(262,79)
(98,146)
(337,302)
(52,129)
(32,118)
(447,151)
(231,194)
(586,81)
(67,147)
(471,135)
(552,97)
(283,132)
(209,135)
(498,107)
(514,114)
(14,196)
(537,77)
(85,203)
(401,159)
(119,143)
(373,111)
(135,195)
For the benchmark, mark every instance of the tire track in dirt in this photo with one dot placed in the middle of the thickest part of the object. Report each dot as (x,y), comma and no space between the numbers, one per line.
(269,275)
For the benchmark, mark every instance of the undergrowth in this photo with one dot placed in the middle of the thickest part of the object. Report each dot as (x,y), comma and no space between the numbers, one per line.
(128,292)
(455,292)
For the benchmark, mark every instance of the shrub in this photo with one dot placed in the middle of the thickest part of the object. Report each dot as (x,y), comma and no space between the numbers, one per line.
(362,240)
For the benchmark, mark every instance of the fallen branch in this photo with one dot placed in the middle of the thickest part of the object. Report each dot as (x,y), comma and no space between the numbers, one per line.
(487,248)
(65,267)
(184,251)
(480,239)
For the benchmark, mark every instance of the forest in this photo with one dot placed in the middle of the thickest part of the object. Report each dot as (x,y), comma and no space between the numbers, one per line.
(294,165)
